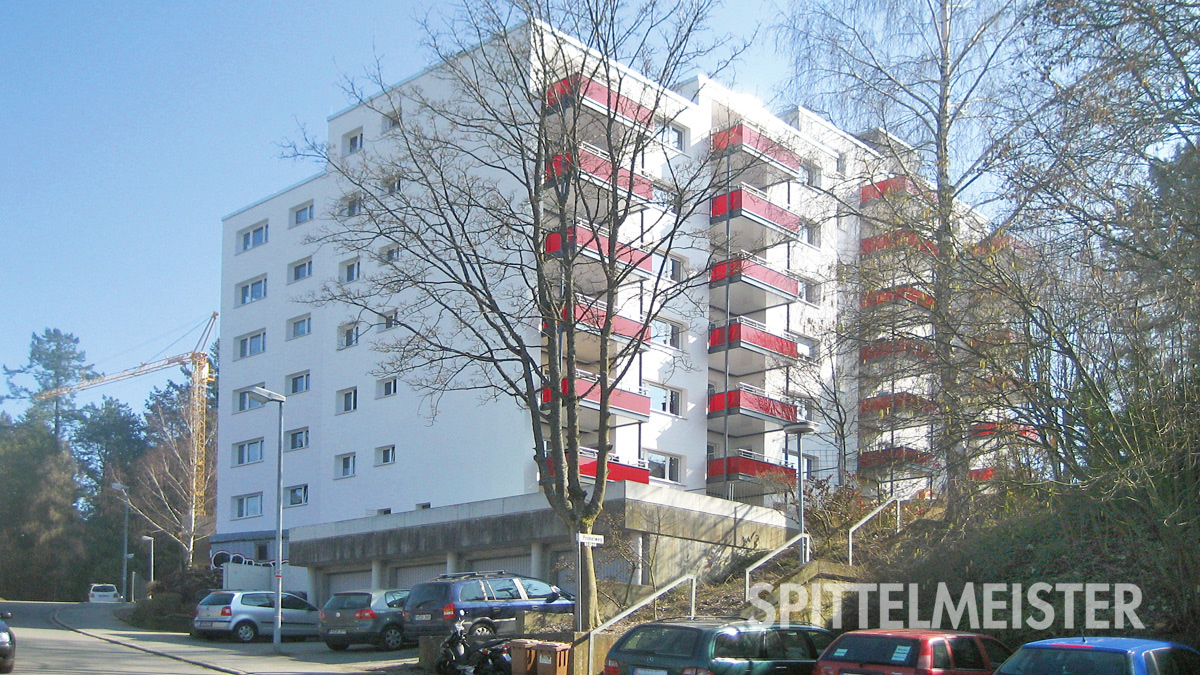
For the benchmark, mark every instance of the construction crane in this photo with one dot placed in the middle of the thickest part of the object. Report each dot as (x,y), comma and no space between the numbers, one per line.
(197,408)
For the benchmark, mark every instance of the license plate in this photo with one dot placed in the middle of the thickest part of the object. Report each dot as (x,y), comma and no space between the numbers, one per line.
(337,631)
(423,617)
(648,671)
(204,624)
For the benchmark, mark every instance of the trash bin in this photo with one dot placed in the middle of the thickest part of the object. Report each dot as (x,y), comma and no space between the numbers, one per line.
(524,657)
(552,658)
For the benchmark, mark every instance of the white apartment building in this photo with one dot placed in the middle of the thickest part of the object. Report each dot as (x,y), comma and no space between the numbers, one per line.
(700,420)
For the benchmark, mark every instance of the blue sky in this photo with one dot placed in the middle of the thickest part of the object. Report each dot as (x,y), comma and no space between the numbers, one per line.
(133,127)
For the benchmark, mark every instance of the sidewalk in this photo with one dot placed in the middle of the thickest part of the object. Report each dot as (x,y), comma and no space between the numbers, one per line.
(256,658)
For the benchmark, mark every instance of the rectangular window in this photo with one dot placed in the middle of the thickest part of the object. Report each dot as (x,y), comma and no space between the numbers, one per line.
(665,399)
(255,289)
(671,136)
(812,292)
(385,455)
(348,335)
(806,348)
(666,333)
(669,267)
(389,320)
(254,343)
(347,400)
(298,383)
(391,121)
(390,254)
(352,206)
(344,465)
(247,506)
(301,269)
(299,327)
(351,270)
(303,214)
(391,186)
(665,467)
(253,236)
(297,495)
(245,401)
(353,141)
(810,233)
(388,387)
(298,439)
(248,452)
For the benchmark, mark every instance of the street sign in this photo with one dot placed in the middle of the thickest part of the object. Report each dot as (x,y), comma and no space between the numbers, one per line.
(590,539)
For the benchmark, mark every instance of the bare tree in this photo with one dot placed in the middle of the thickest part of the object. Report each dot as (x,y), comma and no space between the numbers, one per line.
(521,238)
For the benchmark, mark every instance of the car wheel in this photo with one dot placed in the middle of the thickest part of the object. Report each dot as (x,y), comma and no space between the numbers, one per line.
(8,667)
(391,639)
(337,646)
(483,630)
(245,632)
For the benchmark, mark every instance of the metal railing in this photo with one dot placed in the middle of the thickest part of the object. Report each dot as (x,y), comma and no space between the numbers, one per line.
(804,551)
(850,537)
(638,605)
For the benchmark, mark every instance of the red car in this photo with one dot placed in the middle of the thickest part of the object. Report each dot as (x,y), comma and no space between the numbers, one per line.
(911,652)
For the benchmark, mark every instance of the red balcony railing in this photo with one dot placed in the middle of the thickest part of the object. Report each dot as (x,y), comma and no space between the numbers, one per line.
(597,245)
(749,138)
(595,164)
(745,333)
(984,429)
(635,403)
(902,400)
(748,400)
(879,349)
(981,475)
(617,470)
(748,268)
(593,313)
(897,454)
(742,465)
(897,294)
(746,202)
(888,187)
(569,90)
(897,239)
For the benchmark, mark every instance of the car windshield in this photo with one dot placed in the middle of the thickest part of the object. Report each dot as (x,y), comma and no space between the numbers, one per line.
(880,649)
(1065,661)
(217,599)
(349,601)
(104,588)
(663,640)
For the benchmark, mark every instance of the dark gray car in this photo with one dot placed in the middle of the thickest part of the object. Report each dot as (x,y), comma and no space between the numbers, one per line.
(370,616)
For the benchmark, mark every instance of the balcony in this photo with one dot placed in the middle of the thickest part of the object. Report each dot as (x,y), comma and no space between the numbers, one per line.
(897,239)
(750,411)
(760,159)
(590,251)
(745,465)
(596,178)
(752,347)
(895,347)
(590,315)
(996,429)
(637,472)
(753,285)
(579,91)
(881,459)
(894,186)
(898,296)
(753,218)
(624,406)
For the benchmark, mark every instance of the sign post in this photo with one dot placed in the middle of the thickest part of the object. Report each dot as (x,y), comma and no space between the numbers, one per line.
(581,540)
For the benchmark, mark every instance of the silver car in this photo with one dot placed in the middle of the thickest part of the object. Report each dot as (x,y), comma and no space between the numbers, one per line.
(244,615)
(371,616)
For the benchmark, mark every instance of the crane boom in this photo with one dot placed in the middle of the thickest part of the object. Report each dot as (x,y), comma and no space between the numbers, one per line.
(142,369)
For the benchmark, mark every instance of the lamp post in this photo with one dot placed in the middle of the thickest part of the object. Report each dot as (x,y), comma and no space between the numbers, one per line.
(800,428)
(124,489)
(264,396)
(150,540)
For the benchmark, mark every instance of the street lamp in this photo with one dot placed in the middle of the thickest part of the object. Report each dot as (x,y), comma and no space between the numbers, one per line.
(264,396)
(124,542)
(148,538)
(800,428)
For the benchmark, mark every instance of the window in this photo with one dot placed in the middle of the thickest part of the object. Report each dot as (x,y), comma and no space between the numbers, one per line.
(344,465)
(352,206)
(666,333)
(353,141)
(812,292)
(255,289)
(351,270)
(254,343)
(671,136)
(665,399)
(390,254)
(260,551)
(391,121)
(245,401)
(385,455)
(255,235)
(665,467)
(302,214)
(248,452)
(843,163)
(299,327)
(807,348)
(389,320)
(387,387)
(392,186)
(966,654)
(347,400)
(348,335)
(424,505)
(297,495)
(247,506)
(297,439)
(298,383)
(810,233)
(669,267)
(301,270)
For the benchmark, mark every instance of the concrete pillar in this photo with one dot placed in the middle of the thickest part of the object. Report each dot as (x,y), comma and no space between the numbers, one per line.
(316,586)
(379,573)
(639,542)
(537,560)
(451,562)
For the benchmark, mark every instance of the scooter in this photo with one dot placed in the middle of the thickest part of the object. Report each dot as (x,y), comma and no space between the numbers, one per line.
(460,656)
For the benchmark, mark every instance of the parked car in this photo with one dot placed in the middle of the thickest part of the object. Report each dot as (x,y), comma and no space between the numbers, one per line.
(372,616)
(1102,656)
(103,593)
(483,603)
(912,652)
(244,615)
(717,646)
(8,644)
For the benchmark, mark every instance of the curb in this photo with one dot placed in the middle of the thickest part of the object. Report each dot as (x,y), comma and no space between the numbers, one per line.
(220,669)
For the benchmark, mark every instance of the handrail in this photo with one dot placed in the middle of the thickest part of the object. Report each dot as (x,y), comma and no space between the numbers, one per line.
(638,605)
(763,560)
(850,538)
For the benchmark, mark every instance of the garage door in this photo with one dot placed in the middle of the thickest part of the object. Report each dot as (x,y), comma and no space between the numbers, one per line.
(517,564)
(349,581)
(406,577)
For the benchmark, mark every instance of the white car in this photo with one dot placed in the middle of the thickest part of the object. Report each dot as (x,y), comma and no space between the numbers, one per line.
(103,593)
